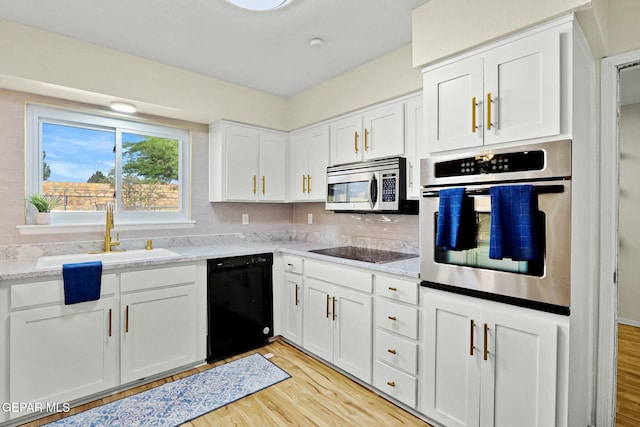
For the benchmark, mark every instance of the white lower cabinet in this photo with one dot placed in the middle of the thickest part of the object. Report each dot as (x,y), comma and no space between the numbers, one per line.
(292,304)
(159,325)
(147,325)
(338,321)
(396,346)
(59,353)
(488,364)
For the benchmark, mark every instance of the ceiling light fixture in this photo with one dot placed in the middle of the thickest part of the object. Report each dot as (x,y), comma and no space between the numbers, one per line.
(259,5)
(123,107)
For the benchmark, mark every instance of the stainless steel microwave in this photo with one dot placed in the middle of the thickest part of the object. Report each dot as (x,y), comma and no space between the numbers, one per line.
(376,186)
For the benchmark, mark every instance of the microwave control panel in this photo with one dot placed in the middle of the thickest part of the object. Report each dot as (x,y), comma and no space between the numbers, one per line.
(389,186)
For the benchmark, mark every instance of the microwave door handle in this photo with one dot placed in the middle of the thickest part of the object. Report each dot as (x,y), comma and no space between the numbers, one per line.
(373,191)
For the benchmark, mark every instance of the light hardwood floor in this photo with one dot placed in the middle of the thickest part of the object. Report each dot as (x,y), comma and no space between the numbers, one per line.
(315,395)
(628,388)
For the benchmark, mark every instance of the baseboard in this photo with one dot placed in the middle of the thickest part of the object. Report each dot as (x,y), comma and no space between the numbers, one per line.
(630,322)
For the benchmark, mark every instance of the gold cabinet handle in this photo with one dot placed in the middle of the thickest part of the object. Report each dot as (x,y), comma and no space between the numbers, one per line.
(328,299)
(489,101)
(393,289)
(486,341)
(254,183)
(366,139)
(474,106)
(110,324)
(473,327)
(297,296)
(334,308)
(394,318)
(391,351)
(263,183)
(308,183)
(355,142)
(304,184)
(126,319)
(391,383)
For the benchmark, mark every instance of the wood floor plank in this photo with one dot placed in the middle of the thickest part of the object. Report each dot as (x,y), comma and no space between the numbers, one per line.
(315,395)
(628,377)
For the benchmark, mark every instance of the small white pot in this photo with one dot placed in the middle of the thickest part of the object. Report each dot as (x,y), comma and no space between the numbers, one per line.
(43,218)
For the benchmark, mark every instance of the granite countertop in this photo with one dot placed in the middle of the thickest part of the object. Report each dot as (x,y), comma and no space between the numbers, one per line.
(23,269)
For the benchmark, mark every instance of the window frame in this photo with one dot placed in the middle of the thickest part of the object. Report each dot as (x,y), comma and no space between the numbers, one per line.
(37,114)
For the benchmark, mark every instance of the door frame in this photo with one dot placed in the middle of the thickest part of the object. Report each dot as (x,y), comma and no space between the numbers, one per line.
(608,247)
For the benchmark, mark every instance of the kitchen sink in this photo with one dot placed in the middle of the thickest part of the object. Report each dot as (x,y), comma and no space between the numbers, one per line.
(56,261)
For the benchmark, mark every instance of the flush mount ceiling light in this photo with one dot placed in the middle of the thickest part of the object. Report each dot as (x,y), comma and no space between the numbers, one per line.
(259,5)
(123,107)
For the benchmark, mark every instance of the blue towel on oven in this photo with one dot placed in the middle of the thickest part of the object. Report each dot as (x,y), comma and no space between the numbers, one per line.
(82,281)
(456,228)
(513,223)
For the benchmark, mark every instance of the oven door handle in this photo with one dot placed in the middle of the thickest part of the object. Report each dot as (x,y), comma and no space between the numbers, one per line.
(539,189)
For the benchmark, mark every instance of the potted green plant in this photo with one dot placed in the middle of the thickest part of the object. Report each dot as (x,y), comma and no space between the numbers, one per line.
(43,203)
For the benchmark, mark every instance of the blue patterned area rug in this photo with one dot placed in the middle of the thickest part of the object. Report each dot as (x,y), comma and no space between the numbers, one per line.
(177,402)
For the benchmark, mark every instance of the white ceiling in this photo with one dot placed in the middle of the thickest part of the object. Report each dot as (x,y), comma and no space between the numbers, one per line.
(268,51)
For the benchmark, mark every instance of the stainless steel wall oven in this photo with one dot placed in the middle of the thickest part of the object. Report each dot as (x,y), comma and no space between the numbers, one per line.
(497,224)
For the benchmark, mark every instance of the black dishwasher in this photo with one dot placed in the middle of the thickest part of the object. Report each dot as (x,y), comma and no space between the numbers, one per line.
(239,304)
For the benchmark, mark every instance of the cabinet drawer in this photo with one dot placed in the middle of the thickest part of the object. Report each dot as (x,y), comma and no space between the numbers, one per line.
(396,384)
(293,264)
(397,318)
(52,292)
(157,277)
(344,276)
(396,351)
(397,289)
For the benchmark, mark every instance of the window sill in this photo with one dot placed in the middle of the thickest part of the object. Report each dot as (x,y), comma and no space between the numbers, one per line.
(99,227)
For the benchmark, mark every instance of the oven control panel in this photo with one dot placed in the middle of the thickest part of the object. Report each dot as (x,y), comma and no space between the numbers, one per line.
(491,164)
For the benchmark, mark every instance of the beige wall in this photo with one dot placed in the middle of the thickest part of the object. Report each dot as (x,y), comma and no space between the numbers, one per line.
(629,232)
(442,28)
(624,28)
(384,78)
(41,62)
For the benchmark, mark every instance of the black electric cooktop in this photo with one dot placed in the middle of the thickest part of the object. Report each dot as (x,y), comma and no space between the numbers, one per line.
(363,254)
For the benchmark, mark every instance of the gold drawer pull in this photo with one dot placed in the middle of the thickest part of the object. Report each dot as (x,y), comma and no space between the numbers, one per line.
(366,139)
(304,186)
(394,318)
(355,142)
(308,183)
(489,101)
(393,289)
(297,295)
(391,383)
(474,105)
(392,351)
(486,341)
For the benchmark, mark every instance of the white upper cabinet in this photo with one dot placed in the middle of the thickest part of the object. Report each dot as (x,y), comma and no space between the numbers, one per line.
(308,161)
(246,163)
(373,134)
(507,93)
(415,143)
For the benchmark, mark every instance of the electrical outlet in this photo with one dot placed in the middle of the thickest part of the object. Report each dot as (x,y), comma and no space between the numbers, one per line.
(245,219)
(309,218)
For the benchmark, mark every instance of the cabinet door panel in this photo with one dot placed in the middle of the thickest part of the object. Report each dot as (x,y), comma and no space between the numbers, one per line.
(448,93)
(298,166)
(416,144)
(522,362)
(452,377)
(384,132)
(346,140)
(271,185)
(293,308)
(242,151)
(318,323)
(523,78)
(353,333)
(318,162)
(159,331)
(63,352)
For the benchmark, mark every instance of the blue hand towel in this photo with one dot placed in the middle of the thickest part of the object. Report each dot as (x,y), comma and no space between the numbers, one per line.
(513,223)
(456,220)
(82,281)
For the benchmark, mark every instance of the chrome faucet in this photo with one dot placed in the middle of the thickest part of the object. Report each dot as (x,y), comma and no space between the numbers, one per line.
(108,243)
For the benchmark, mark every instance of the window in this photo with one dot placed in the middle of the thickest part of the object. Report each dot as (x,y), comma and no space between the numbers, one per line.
(85,161)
